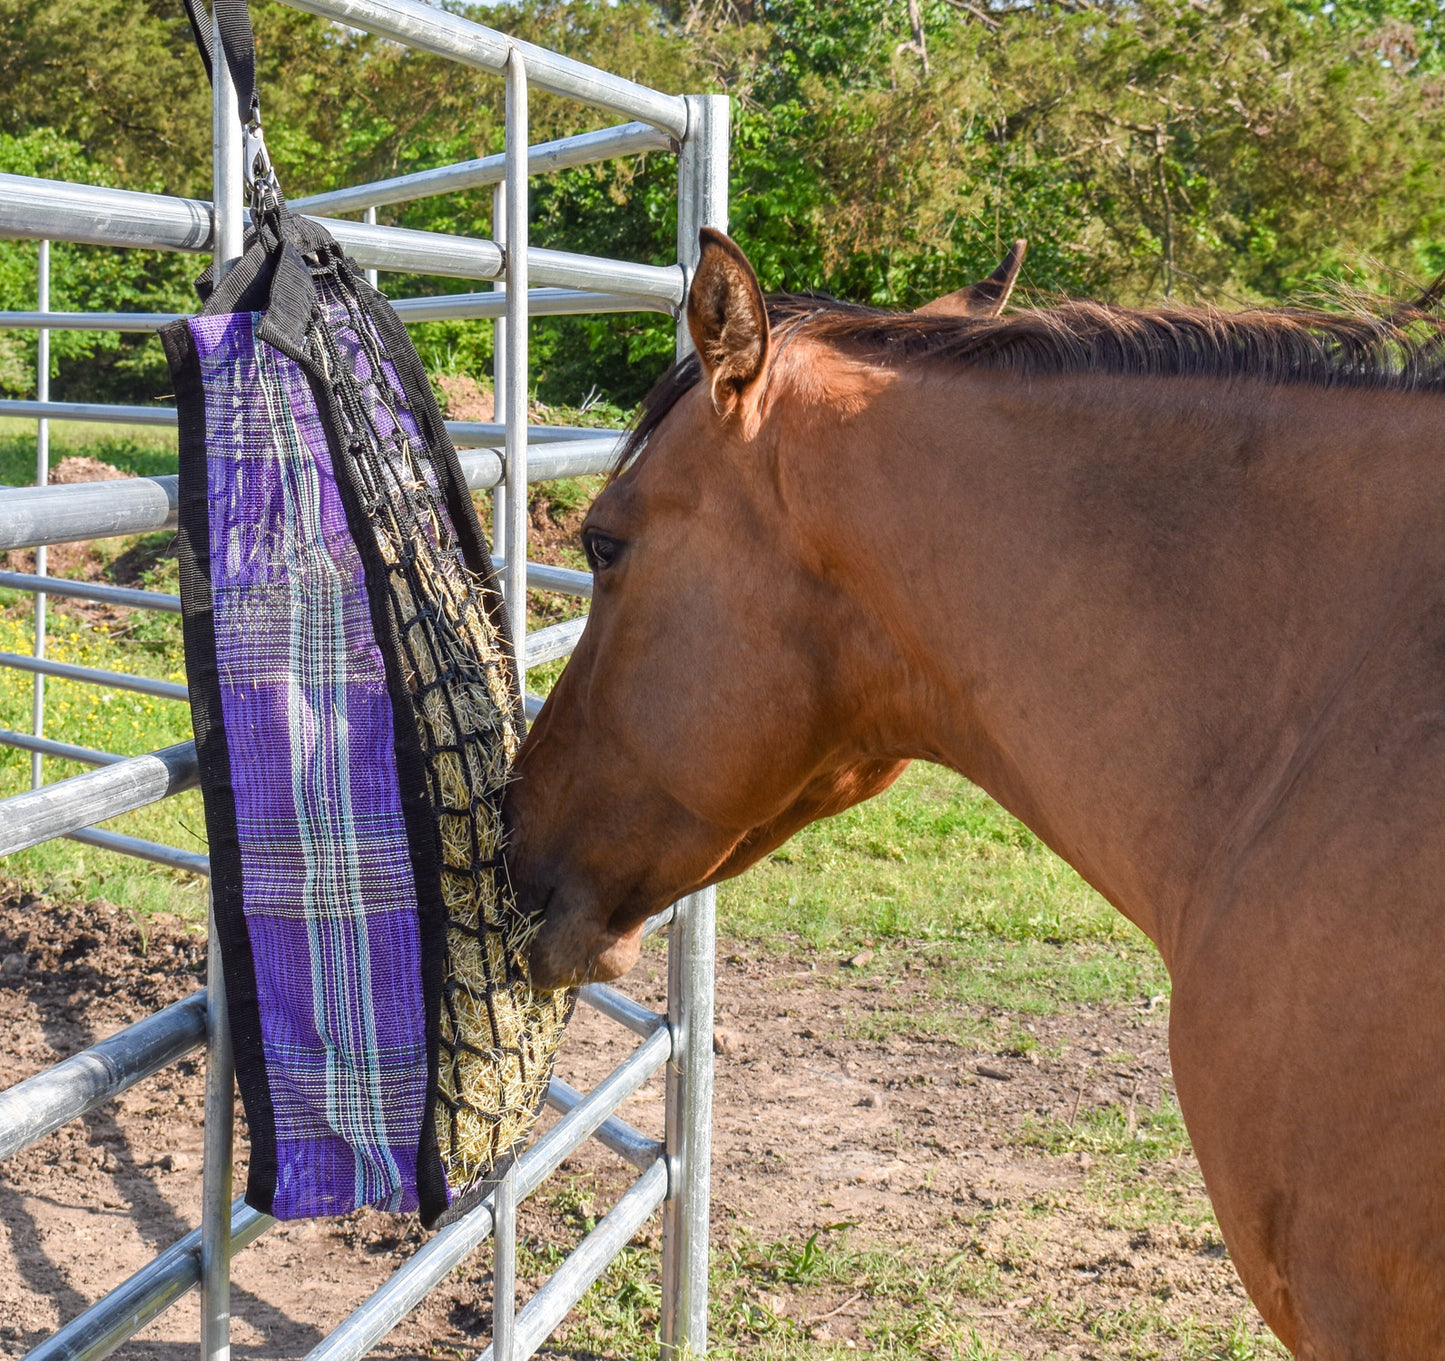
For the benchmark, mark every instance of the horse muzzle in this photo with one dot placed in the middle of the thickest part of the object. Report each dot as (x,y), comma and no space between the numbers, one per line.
(567,953)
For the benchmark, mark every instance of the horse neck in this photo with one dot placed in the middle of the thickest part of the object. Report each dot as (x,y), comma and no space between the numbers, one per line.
(1120,606)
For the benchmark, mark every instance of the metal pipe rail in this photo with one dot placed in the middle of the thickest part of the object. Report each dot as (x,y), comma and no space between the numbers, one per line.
(66,751)
(542,576)
(631,1145)
(619,1007)
(550,441)
(96,591)
(120,1315)
(587,1261)
(41,1104)
(118,680)
(404,1290)
(425,29)
(564,580)
(106,413)
(553,642)
(55,809)
(484,467)
(541,302)
(140,505)
(461,431)
(30,516)
(39,209)
(188,862)
(587,148)
(513,398)
(87,321)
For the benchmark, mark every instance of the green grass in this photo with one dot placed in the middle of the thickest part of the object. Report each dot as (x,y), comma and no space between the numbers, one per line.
(769,1302)
(143,450)
(1128,1139)
(934,870)
(1141,1168)
(765,1299)
(933,859)
(112,720)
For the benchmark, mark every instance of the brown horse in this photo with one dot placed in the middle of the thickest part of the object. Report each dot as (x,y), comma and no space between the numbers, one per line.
(1171,587)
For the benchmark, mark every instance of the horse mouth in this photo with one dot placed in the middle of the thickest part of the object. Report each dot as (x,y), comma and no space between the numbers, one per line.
(559,959)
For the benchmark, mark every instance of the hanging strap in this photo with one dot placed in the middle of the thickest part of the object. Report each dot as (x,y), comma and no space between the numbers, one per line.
(238,46)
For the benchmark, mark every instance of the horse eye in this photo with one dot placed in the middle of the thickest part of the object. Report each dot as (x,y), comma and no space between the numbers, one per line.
(601,551)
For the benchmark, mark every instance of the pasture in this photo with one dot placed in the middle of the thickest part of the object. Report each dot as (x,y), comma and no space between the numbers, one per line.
(944,1128)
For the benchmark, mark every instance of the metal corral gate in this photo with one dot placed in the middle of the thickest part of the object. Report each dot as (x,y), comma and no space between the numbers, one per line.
(505,456)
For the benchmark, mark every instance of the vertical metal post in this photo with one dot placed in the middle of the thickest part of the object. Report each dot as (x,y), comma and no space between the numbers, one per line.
(216,1157)
(372,275)
(499,370)
(227,181)
(510,395)
(688,1136)
(504,1267)
(702,187)
(702,201)
(515,403)
(42,476)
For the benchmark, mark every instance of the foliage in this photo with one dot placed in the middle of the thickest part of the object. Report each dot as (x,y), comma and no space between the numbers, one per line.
(83,278)
(112,720)
(1238,149)
(1225,150)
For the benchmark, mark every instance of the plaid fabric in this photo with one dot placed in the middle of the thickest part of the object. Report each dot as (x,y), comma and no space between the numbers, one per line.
(329,897)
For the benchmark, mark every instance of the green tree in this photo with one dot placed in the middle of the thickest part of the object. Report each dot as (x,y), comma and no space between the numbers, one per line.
(98,365)
(1224,150)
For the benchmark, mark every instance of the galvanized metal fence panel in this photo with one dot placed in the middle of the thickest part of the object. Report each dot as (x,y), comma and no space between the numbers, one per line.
(503,455)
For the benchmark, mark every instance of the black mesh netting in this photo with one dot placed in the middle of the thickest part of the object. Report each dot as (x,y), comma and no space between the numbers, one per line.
(497,1037)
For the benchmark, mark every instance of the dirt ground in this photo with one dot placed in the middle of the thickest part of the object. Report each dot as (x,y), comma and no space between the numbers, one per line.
(916,1142)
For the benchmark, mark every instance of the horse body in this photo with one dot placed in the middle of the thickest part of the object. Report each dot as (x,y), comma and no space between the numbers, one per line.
(1189,629)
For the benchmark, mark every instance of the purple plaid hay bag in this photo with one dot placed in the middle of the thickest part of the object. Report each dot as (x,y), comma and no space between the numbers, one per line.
(356,711)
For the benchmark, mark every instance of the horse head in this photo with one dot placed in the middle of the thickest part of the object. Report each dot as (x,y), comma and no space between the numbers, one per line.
(729,687)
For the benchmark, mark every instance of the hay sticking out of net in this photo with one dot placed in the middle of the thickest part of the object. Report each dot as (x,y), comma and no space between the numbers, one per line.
(498,1038)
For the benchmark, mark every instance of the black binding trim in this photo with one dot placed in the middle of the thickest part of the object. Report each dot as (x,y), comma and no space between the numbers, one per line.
(423,834)
(198,628)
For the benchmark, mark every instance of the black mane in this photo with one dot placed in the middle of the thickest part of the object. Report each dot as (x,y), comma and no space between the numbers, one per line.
(1400,349)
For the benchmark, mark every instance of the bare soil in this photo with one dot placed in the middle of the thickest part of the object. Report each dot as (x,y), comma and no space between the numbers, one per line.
(88,561)
(464,398)
(916,1142)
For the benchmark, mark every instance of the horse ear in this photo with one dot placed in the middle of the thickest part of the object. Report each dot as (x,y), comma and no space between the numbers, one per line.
(986,298)
(728,321)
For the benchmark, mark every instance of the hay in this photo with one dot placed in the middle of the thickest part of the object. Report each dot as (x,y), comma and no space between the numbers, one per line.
(498,1037)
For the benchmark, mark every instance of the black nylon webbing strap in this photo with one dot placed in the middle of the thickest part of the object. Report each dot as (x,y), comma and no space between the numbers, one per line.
(238,45)
(201,32)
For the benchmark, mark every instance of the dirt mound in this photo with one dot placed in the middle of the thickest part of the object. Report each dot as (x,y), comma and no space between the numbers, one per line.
(83,468)
(464,398)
